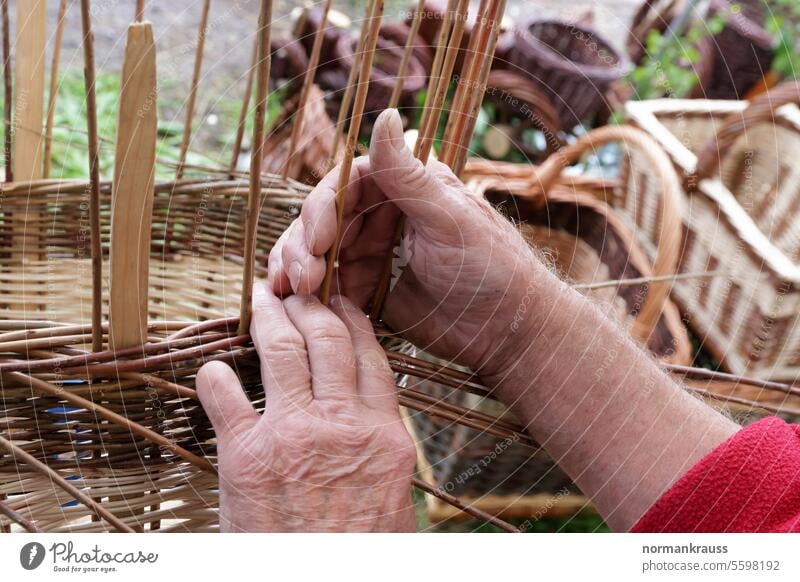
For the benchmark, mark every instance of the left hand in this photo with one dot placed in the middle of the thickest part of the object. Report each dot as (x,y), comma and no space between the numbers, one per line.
(330,452)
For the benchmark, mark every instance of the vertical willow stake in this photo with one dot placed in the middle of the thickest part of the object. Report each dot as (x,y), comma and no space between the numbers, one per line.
(308,81)
(394,101)
(192,99)
(7,93)
(94,177)
(254,198)
(139,10)
(352,77)
(248,93)
(370,42)
(434,101)
(51,103)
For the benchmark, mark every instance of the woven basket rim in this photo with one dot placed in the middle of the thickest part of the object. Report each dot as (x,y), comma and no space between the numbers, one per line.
(645,115)
(543,52)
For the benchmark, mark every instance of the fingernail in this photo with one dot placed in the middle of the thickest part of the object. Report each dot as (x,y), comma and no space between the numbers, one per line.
(395,126)
(295,273)
(309,230)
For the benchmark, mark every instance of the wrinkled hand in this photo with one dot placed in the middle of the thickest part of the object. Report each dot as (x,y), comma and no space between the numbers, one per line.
(469,273)
(330,452)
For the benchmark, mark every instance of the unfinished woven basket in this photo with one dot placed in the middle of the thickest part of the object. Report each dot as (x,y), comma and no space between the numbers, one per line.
(742,220)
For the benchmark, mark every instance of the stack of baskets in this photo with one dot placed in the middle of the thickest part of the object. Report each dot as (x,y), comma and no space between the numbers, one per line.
(738,163)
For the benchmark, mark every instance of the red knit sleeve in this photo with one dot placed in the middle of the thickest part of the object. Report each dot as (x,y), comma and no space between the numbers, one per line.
(750,483)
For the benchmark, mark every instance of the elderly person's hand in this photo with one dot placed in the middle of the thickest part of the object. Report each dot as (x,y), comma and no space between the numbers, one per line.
(468,278)
(330,452)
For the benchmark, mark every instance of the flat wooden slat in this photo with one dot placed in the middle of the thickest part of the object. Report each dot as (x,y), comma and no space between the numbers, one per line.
(133,190)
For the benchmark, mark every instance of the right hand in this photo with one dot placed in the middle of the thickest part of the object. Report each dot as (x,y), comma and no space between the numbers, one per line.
(469,285)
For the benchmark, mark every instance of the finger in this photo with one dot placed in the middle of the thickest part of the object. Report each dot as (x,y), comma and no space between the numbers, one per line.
(375,384)
(304,270)
(224,400)
(404,180)
(330,349)
(277,277)
(319,209)
(281,351)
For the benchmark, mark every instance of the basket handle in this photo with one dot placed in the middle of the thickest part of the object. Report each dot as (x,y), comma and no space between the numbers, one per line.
(760,109)
(670,234)
(133,191)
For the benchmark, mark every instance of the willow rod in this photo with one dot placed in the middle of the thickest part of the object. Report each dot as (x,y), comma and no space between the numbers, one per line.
(51,102)
(139,16)
(254,196)
(308,81)
(248,93)
(58,480)
(370,42)
(7,92)
(94,177)
(438,60)
(192,99)
(43,387)
(352,77)
(468,509)
(432,111)
(28,526)
(478,91)
(416,21)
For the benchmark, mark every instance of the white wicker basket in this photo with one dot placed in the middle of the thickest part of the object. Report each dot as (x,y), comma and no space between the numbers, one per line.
(742,217)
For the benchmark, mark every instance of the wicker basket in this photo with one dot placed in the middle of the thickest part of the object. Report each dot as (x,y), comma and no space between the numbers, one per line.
(742,221)
(587,242)
(384,70)
(313,159)
(735,60)
(520,106)
(573,65)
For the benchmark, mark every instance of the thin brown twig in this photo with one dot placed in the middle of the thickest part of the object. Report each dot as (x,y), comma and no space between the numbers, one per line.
(51,104)
(240,126)
(254,197)
(15,516)
(308,81)
(468,509)
(192,98)
(139,16)
(59,481)
(94,177)
(375,15)
(411,42)
(352,78)
(7,92)
(649,279)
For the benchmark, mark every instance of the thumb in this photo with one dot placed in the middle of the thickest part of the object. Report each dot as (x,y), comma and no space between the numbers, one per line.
(416,189)
(224,400)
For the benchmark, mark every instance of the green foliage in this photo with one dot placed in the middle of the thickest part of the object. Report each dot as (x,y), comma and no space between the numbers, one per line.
(783,22)
(668,68)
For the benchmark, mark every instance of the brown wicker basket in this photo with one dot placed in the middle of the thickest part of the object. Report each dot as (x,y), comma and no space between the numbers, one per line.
(313,158)
(742,221)
(573,65)
(735,60)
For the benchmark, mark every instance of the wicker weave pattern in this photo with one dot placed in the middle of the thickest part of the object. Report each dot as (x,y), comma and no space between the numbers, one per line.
(744,222)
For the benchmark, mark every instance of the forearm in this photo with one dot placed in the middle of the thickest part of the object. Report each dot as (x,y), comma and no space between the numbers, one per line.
(618,425)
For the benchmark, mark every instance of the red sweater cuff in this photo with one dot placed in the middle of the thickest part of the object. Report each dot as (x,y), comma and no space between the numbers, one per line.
(749,483)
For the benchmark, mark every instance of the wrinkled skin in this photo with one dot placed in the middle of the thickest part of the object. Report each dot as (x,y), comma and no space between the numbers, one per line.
(330,453)
(468,274)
